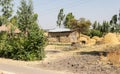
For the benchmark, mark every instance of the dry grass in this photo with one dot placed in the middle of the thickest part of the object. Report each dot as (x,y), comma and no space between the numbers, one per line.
(112,55)
(111,47)
(110,38)
(97,38)
(118,37)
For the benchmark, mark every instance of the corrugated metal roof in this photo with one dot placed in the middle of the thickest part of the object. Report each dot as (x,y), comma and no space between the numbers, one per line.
(59,30)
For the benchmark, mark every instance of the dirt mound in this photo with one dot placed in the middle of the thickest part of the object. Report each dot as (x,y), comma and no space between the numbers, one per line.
(110,38)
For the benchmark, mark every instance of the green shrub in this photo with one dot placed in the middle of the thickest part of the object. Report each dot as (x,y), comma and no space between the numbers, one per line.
(29,45)
(95,33)
(20,47)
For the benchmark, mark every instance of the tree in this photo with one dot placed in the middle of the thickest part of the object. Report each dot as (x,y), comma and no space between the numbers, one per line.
(68,19)
(13,20)
(114,19)
(60,17)
(95,25)
(94,32)
(6,9)
(83,25)
(119,17)
(105,27)
(35,39)
(115,27)
(1,21)
(25,16)
(119,22)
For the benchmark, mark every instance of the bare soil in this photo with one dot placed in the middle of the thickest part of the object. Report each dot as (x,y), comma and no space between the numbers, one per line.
(85,60)
(82,64)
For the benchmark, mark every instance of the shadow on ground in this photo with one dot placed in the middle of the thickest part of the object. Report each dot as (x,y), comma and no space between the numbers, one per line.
(94,53)
(52,51)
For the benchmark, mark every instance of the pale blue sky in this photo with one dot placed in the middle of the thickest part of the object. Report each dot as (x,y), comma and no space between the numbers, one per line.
(91,9)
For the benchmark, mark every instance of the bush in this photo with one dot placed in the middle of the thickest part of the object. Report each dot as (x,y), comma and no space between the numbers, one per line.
(20,47)
(95,33)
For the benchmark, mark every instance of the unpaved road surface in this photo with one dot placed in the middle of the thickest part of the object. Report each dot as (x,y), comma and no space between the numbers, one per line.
(14,69)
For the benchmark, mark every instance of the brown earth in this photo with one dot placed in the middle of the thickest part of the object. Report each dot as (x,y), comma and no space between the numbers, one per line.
(85,60)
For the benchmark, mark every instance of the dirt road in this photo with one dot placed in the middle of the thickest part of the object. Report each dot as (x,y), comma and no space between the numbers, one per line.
(14,69)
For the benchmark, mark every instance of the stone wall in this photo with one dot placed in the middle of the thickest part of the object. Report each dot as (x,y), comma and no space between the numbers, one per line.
(64,37)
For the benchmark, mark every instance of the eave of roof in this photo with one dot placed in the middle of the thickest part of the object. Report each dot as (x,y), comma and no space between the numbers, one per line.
(60,30)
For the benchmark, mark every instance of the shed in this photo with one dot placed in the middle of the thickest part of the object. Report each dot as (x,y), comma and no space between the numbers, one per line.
(62,35)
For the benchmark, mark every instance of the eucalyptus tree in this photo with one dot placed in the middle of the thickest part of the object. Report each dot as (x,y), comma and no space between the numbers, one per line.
(60,17)
(95,25)
(7,9)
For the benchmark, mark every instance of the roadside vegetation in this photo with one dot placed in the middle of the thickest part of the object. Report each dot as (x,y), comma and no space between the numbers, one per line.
(29,42)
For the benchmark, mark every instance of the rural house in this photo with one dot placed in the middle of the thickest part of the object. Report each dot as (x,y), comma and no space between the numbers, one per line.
(63,35)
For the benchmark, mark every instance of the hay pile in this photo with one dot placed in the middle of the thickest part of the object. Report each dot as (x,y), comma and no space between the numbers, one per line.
(89,41)
(81,39)
(92,42)
(97,38)
(110,38)
(84,38)
(118,37)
